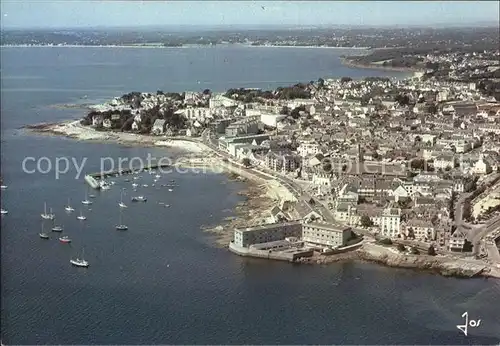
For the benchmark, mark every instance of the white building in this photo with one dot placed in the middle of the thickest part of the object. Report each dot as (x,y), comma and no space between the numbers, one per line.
(271,120)
(325,234)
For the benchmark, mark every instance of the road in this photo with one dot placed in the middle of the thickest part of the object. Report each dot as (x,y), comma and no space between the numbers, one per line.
(489,227)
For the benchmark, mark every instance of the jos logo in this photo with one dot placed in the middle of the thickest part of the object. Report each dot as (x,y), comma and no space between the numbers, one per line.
(468,323)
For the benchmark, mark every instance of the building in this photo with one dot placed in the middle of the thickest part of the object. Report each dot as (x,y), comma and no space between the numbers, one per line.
(481,166)
(158,127)
(457,241)
(281,163)
(245,237)
(422,230)
(246,126)
(325,234)
(271,120)
(389,221)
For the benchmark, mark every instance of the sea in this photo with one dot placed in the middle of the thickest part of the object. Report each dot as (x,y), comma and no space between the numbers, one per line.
(164,281)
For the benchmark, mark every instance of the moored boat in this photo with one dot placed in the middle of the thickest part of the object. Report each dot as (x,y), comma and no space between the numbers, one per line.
(79,262)
(45,215)
(65,239)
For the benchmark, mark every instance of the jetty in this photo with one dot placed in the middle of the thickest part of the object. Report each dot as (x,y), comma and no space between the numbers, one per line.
(93,179)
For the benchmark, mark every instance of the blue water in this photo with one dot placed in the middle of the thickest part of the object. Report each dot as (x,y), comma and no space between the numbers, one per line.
(163,281)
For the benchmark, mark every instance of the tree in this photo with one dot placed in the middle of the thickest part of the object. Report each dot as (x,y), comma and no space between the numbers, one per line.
(206,92)
(246,161)
(431,251)
(401,248)
(327,166)
(345,79)
(366,221)
(403,100)
(285,110)
(321,82)
(415,251)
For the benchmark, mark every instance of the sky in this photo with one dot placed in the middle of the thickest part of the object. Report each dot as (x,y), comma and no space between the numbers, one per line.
(132,13)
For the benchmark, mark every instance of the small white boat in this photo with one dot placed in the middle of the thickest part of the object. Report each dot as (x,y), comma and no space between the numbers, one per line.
(157,176)
(139,199)
(69,208)
(42,234)
(45,215)
(3,187)
(86,200)
(134,185)
(167,205)
(170,190)
(121,204)
(3,211)
(144,185)
(81,216)
(56,228)
(79,262)
(121,226)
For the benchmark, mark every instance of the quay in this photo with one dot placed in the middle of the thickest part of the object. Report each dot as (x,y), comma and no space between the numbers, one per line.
(101,175)
(92,179)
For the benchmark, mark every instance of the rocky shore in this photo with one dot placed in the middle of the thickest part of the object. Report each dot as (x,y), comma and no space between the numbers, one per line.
(446,266)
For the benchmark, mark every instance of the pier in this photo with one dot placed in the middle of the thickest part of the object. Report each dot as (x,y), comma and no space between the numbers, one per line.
(93,178)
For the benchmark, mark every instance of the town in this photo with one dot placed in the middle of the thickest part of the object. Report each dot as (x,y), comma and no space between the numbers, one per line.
(409,164)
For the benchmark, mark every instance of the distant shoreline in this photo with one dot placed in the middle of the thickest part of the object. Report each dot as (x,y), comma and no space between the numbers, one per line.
(182,46)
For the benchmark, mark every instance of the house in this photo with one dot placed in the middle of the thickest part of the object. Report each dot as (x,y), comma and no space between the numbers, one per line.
(399,193)
(158,127)
(277,215)
(278,162)
(389,222)
(482,166)
(420,229)
(97,120)
(306,212)
(458,240)
(135,126)
(444,162)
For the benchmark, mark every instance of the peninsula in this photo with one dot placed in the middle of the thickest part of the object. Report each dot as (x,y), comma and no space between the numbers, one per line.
(401,172)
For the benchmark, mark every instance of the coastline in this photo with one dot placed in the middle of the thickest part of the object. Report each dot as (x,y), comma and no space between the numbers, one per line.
(260,196)
(183,46)
(348,63)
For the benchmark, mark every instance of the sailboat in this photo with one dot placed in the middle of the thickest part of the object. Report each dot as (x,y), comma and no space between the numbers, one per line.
(56,228)
(121,226)
(121,204)
(42,234)
(81,216)
(86,200)
(79,262)
(69,208)
(45,215)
